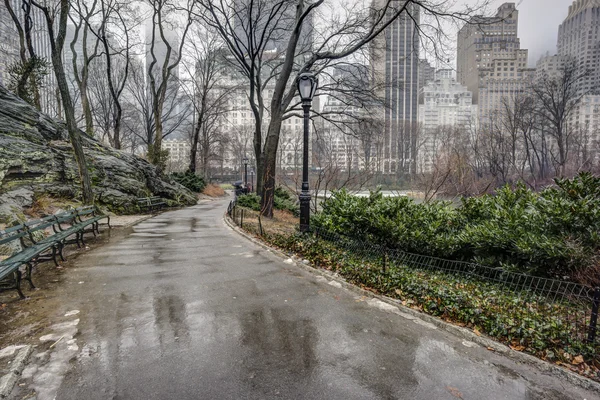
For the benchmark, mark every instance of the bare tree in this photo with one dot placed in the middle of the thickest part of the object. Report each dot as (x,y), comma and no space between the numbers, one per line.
(57,42)
(263,19)
(141,124)
(557,98)
(83,11)
(208,95)
(165,16)
(117,56)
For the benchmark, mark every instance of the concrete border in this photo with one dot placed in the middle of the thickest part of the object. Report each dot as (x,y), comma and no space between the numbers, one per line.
(461,332)
(8,381)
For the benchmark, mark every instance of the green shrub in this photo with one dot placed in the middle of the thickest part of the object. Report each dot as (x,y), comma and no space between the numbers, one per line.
(250,200)
(551,233)
(283,201)
(190,180)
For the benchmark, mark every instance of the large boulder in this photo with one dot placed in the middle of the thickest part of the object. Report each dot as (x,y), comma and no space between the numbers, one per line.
(37,159)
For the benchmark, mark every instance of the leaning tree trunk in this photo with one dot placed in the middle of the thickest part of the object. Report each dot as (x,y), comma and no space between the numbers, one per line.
(117,126)
(63,88)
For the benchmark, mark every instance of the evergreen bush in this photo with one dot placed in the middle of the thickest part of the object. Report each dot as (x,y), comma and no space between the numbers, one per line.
(283,201)
(551,233)
(190,180)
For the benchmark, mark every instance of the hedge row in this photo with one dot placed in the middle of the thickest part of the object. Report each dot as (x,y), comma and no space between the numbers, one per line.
(553,233)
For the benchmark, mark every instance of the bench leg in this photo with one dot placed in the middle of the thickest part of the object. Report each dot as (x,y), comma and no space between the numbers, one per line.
(28,275)
(17,275)
(60,251)
(54,253)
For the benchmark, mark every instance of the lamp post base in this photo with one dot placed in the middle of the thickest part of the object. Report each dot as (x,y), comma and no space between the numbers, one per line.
(304,211)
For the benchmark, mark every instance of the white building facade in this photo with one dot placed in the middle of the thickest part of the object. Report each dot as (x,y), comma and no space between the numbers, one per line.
(446,105)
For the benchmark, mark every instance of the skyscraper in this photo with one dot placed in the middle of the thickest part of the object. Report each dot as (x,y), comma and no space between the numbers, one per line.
(578,38)
(9,43)
(446,105)
(490,61)
(395,64)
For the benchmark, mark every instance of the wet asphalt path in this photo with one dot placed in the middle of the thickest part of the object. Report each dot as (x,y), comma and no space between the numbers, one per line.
(182,307)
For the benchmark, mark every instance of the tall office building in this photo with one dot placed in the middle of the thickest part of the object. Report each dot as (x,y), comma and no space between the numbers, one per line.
(395,64)
(490,61)
(447,105)
(340,143)
(578,38)
(426,73)
(549,66)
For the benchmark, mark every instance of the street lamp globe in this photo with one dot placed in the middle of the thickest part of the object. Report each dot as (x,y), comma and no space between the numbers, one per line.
(307,86)
(245,160)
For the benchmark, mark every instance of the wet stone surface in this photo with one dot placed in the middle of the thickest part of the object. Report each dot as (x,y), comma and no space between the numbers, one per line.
(181,307)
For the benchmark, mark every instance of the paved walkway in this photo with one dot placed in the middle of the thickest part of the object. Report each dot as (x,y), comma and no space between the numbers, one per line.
(182,307)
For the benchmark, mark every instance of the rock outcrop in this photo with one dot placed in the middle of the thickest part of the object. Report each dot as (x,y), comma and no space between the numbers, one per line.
(37,159)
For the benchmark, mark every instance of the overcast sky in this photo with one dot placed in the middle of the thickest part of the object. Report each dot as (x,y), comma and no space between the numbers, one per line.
(538,24)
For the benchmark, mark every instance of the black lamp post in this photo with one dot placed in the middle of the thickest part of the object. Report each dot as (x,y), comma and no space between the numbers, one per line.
(245,172)
(307,86)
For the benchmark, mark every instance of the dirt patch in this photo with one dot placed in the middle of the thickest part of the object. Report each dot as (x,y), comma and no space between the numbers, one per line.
(213,191)
(283,222)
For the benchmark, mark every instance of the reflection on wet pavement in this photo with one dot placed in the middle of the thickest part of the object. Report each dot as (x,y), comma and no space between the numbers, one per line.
(183,308)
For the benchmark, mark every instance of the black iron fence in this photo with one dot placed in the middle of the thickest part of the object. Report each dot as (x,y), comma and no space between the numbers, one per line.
(571,305)
(578,304)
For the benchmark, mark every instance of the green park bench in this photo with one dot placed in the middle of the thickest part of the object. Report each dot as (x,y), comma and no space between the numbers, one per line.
(151,204)
(36,246)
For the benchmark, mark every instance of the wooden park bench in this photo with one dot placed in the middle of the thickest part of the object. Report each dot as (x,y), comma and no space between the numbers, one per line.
(36,246)
(151,204)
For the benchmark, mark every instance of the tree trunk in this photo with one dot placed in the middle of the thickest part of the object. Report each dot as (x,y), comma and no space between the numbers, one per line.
(63,87)
(117,126)
(270,163)
(87,110)
(155,153)
(194,148)
(205,151)
(259,161)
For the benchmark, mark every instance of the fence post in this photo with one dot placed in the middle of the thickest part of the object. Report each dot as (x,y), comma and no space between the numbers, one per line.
(260,225)
(242,219)
(385,262)
(594,317)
